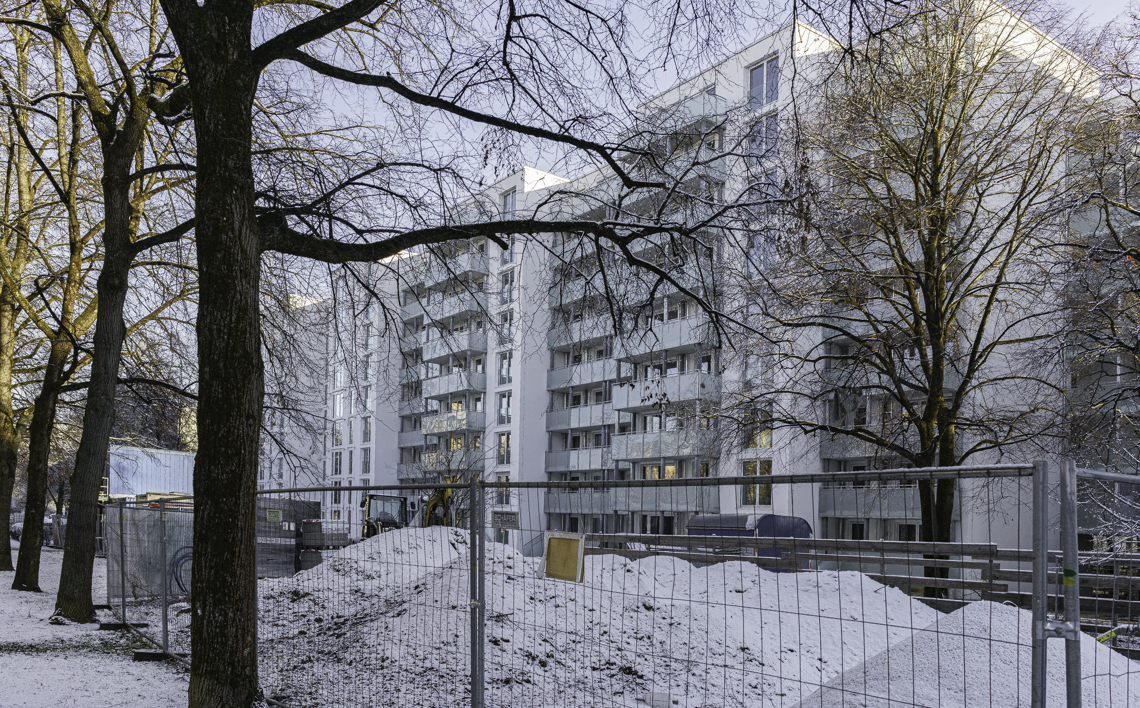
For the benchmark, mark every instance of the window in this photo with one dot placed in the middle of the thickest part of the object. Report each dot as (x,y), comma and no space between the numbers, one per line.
(366,461)
(336,513)
(764,137)
(507,292)
(509,210)
(337,405)
(704,469)
(336,494)
(908,532)
(505,360)
(858,532)
(504,449)
(365,400)
(477,403)
(506,326)
(756,494)
(764,83)
(504,408)
(758,435)
(336,462)
(503,494)
(366,366)
(366,429)
(476,442)
(349,468)
(348,424)
(657,525)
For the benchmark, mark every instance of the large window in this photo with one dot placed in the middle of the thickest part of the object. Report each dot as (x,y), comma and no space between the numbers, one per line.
(366,460)
(504,408)
(504,449)
(366,429)
(756,494)
(509,206)
(336,462)
(764,83)
(503,494)
(506,326)
(336,493)
(507,292)
(505,360)
(764,136)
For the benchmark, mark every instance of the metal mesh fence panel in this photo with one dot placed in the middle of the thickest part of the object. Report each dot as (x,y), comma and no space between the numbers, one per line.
(687,592)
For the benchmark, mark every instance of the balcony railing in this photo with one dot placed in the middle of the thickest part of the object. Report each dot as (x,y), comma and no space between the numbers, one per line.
(675,334)
(442,269)
(567,333)
(580,460)
(410,438)
(581,374)
(457,461)
(412,407)
(644,394)
(455,382)
(456,305)
(687,442)
(445,346)
(873,502)
(581,417)
(453,421)
(700,500)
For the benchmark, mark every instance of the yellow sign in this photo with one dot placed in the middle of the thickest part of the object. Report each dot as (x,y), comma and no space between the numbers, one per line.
(273,515)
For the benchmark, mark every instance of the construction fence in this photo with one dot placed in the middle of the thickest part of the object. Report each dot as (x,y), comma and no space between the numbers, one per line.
(680,592)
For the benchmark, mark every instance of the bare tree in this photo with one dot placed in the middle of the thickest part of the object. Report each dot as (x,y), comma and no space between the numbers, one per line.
(901,289)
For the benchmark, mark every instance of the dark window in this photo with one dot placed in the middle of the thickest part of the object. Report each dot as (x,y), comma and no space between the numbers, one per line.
(858,532)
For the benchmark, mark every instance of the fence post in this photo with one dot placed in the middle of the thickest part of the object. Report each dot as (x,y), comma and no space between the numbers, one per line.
(481,499)
(123,558)
(165,577)
(1071,584)
(476,591)
(1040,565)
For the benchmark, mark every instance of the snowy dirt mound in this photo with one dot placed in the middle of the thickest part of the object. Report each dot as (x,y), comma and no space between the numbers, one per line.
(375,629)
(978,656)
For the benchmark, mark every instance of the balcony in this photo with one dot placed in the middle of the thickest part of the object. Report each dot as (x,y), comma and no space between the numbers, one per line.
(700,500)
(443,269)
(687,442)
(582,501)
(874,502)
(455,382)
(412,374)
(459,304)
(580,460)
(580,331)
(581,374)
(445,346)
(411,342)
(570,291)
(451,462)
(412,407)
(842,447)
(411,310)
(410,438)
(453,421)
(676,334)
(581,417)
(688,111)
(645,394)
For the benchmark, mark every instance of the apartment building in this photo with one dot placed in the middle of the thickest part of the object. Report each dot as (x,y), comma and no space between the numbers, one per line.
(508,363)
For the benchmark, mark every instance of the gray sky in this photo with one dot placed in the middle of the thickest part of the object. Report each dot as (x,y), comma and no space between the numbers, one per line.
(1100,11)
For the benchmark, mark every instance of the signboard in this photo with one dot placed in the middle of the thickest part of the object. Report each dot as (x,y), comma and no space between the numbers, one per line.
(273,515)
(504,519)
(562,559)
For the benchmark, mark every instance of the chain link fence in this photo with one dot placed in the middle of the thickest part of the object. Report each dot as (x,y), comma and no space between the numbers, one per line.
(681,592)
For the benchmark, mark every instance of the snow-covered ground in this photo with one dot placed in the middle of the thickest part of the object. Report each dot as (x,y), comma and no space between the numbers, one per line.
(46,665)
(386,622)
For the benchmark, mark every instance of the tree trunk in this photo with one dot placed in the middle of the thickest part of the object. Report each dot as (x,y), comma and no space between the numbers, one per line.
(215,43)
(39,449)
(9,435)
(74,601)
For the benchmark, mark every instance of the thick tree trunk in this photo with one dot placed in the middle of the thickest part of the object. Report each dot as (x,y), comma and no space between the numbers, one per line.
(74,601)
(216,46)
(39,449)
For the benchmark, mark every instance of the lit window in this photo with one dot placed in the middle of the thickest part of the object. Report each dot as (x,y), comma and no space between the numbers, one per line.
(756,494)
(504,448)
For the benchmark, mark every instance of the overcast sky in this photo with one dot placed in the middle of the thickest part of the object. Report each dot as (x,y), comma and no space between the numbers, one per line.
(1100,11)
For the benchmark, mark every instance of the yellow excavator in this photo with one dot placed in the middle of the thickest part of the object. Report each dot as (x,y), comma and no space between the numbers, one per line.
(437,509)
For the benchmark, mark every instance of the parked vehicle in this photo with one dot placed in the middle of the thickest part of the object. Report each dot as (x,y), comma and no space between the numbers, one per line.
(383,512)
